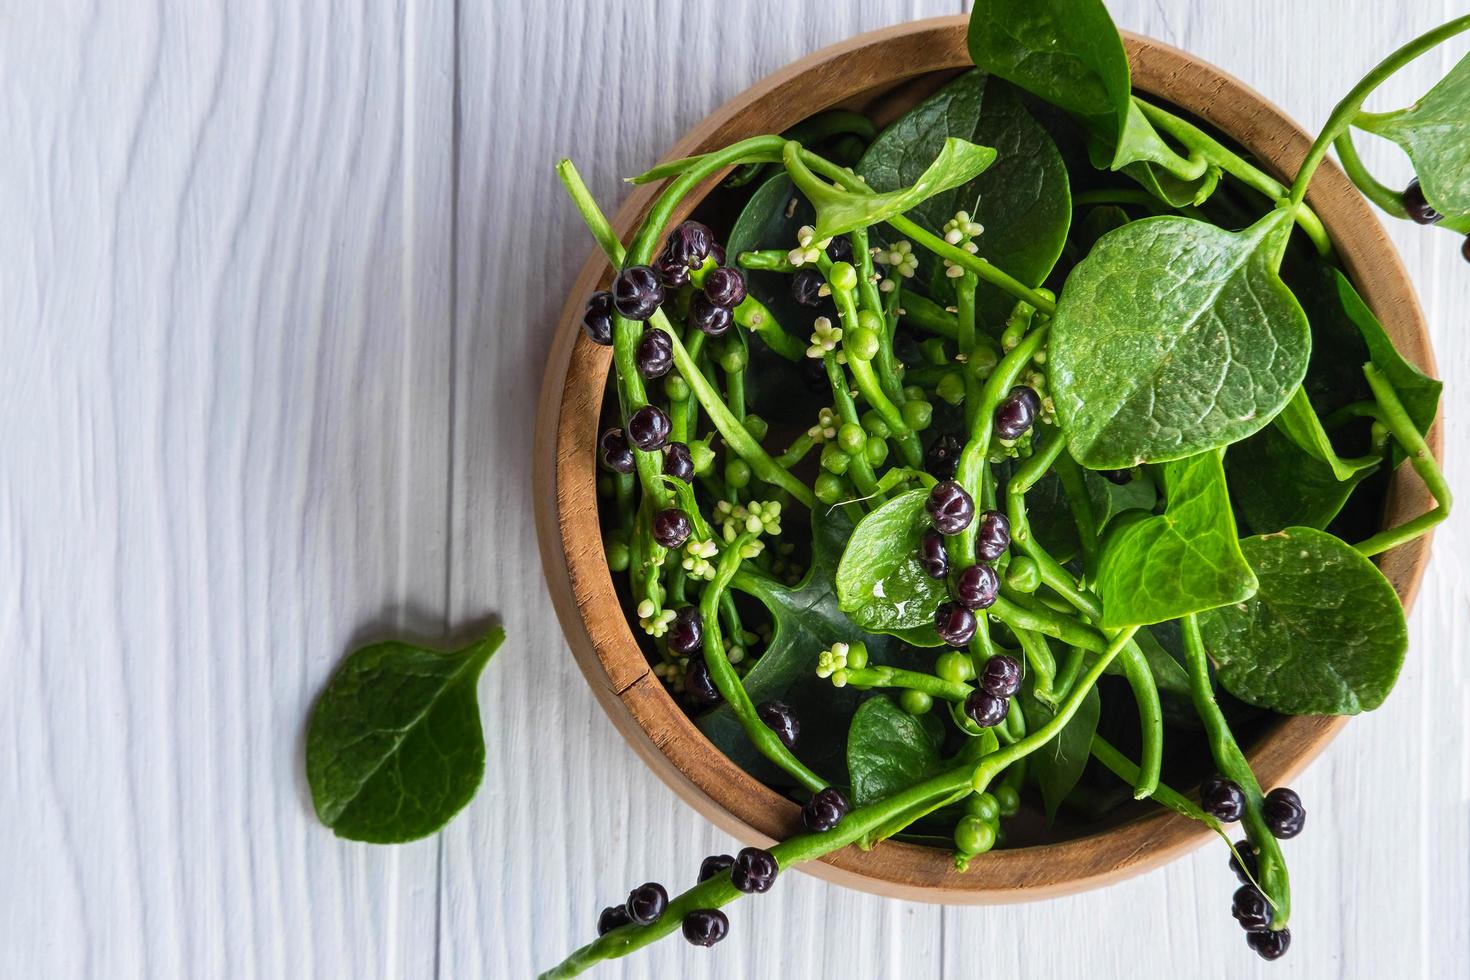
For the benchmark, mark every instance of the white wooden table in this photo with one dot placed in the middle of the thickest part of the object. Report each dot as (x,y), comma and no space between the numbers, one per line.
(276,281)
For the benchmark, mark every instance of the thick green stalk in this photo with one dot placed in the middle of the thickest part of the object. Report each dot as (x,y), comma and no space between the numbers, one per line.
(1234,765)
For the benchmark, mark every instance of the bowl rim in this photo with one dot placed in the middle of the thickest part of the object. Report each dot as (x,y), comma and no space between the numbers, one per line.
(580,583)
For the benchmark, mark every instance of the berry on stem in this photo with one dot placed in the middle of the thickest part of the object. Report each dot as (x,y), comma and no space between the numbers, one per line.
(1001,676)
(690,243)
(713,865)
(993,536)
(678,462)
(637,292)
(705,927)
(985,709)
(611,918)
(1269,944)
(977,588)
(671,528)
(649,428)
(1250,908)
(1417,206)
(1222,799)
(954,623)
(933,556)
(779,718)
(616,455)
(647,902)
(943,456)
(1283,813)
(1016,413)
(806,287)
(686,632)
(655,355)
(699,685)
(597,318)
(754,870)
(724,287)
(950,507)
(711,318)
(824,811)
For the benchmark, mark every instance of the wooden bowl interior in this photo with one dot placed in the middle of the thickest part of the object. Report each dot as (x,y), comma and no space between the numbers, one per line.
(887,71)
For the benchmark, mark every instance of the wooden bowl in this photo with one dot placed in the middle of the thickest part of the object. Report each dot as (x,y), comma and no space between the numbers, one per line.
(871,70)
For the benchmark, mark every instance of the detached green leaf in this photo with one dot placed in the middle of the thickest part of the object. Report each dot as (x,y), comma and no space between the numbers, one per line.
(840,211)
(1058,764)
(880,583)
(888,750)
(1184,560)
(1323,635)
(1432,132)
(1174,337)
(394,748)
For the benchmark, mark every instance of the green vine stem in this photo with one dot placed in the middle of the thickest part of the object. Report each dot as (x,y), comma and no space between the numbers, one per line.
(1388,199)
(1401,427)
(858,467)
(1342,116)
(867,379)
(1234,765)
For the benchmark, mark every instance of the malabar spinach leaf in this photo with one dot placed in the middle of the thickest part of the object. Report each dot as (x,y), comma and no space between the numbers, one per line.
(880,583)
(1324,633)
(1276,484)
(1418,392)
(1058,765)
(1184,560)
(394,747)
(1174,337)
(1110,499)
(888,750)
(1432,132)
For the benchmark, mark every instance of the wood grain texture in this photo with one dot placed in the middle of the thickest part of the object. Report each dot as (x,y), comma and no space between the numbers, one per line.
(273,305)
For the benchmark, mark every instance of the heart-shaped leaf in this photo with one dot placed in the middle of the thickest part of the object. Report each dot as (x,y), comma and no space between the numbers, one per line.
(1323,635)
(1276,484)
(394,748)
(880,583)
(888,750)
(1184,560)
(1174,337)
(1432,132)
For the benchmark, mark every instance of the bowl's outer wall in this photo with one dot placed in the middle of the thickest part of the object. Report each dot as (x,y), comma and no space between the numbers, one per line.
(565,472)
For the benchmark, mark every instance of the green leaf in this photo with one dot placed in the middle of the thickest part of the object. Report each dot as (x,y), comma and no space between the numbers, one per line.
(1298,421)
(1323,635)
(1110,499)
(880,583)
(1184,560)
(1432,132)
(1418,392)
(1058,765)
(1276,484)
(805,621)
(888,750)
(1023,200)
(840,211)
(394,748)
(1141,153)
(1174,337)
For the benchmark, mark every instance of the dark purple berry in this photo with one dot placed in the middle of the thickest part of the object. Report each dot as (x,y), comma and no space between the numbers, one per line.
(671,272)
(754,870)
(678,462)
(993,536)
(943,457)
(950,507)
(713,865)
(824,811)
(1016,413)
(1465,249)
(1250,908)
(686,632)
(711,318)
(637,292)
(690,243)
(806,287)
(933,556)
(717,252)
(648,429)
(814,376)
(954,623)
(1222,799)
(597,318)
(616,455)
(1248,855)
(724,287)
(671,528)
(985,709)
(655,355)
(1417,206)
(1269,944)
(647,902)
(977,587)
(779,718)
(841,249)
(1001,676)
(611,918)
(699,685)
(1121,477)
(1283,813)
(705,927)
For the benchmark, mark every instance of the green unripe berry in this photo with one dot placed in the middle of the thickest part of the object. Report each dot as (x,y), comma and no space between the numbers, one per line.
(734,358)
(983,805)
(875,425)
(877,451)
(933,351)
(843,276)
(857,655)
(851,438)
(756,426)
(617,556)
(834,460)
(1008,800)
(861,343)
(915,702)
(676,387)
(954,666)
(870,321)
(917,414)
(982,362)
(951,388)
(830,488)
(737,473)
(973,836)
(1023,574)
(913,393)
(702,456)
